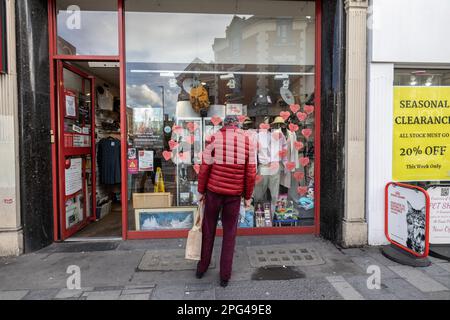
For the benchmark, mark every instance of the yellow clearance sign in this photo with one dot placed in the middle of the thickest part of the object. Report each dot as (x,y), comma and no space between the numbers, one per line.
(421,134)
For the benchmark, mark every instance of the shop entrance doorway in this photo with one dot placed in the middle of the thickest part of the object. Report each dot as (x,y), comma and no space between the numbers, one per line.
(89,150)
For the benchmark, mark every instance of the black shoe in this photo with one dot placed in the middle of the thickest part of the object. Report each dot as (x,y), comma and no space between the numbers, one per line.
(199,274)
(223,283)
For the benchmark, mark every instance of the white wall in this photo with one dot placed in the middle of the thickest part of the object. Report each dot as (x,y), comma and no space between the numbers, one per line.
(379,146)
(410,31)
(413,32)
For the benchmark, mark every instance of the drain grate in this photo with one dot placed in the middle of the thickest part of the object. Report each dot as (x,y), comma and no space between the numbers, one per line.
(167,260)
(283,255)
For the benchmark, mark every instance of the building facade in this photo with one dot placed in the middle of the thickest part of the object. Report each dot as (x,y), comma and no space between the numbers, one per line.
(407,57)
(111,103)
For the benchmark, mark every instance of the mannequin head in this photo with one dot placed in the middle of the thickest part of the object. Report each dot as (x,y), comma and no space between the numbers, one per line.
(248,124)
(278,123)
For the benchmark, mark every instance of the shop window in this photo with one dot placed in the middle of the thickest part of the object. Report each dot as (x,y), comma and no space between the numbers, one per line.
(86,27)
(422,77)
(191,63)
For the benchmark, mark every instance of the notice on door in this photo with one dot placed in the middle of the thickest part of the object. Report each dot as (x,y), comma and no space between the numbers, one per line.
(421,134)
(74,176)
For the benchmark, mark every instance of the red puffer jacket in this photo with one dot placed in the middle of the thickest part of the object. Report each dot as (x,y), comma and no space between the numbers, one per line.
(228,166)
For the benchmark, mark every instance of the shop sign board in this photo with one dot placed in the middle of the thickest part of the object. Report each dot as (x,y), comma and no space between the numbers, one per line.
(3,59)
(421,126)
(439,214)
(407,218)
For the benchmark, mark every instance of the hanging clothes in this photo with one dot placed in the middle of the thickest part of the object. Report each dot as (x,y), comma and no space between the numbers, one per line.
(292,156)
(108,160)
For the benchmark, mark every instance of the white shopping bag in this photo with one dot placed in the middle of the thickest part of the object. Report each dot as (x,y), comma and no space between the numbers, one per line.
(194,240)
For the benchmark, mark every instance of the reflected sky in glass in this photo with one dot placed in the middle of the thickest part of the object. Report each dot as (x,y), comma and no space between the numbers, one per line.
(97,33)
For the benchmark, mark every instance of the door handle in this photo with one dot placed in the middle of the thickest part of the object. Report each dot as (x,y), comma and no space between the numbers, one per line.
(52,137)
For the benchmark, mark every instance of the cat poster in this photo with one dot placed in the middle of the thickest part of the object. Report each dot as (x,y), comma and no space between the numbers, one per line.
(407,223)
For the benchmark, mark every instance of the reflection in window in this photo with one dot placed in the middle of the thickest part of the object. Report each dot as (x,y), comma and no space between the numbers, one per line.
(190,65)
(423,77)
(86,27)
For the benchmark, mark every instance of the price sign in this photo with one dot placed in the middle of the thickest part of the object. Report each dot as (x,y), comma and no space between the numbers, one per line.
(421,134)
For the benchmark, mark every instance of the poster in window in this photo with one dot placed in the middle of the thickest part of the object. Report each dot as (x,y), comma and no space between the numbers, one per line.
(74,211)
(421,142)
(73,176)
(145,160)
(148,128)
(234,109)
(70,104)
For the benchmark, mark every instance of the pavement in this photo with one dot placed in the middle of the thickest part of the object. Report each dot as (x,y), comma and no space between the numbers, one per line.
(262,270)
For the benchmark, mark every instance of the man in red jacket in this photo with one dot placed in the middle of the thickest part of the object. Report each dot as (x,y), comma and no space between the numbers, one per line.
(227,174)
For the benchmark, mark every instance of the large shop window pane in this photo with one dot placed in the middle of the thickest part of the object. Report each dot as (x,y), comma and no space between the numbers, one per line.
(86,27)
(421,96)
(191,63)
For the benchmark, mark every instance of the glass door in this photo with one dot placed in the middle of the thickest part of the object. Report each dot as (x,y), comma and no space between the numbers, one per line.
(76,149)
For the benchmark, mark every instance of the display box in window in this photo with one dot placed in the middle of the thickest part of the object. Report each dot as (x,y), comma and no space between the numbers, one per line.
(246,217)
(175,218)
(284,210)
(152,200)
(263,215)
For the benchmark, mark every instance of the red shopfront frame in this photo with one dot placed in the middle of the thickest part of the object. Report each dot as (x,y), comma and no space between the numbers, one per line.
(128,234)
(3,36)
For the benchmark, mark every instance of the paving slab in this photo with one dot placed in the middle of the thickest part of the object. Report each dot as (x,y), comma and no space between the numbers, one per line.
(71,293)
(102,295)
(167,260)
(13,294)
(445,266)
(198,286)
(439,296)
(200,295)
(174,292)
(344,288)
(418,279)
(435,270)
(444,280)
(45,294)
(404,290)
(147,286)
(359,283)
(80,247)
(365,262)
(301,289)
(140,297)
(137,291)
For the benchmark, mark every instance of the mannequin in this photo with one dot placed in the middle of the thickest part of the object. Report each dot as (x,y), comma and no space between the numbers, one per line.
(252,134)
(270,162)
